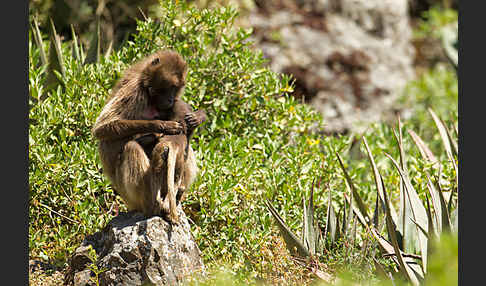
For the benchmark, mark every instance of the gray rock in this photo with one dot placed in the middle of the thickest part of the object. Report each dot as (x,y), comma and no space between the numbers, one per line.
(351,59)
(134,250)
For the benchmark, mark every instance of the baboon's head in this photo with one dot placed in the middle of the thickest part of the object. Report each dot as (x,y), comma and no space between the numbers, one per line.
(164,78)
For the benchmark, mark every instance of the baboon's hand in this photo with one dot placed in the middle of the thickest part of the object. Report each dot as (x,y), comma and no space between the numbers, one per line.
(170,127)
(194,119)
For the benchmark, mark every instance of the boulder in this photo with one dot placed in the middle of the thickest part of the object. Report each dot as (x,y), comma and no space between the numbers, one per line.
(351,59)
(135,250)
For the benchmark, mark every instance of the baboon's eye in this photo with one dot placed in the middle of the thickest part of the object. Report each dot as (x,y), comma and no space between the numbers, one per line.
(155,61)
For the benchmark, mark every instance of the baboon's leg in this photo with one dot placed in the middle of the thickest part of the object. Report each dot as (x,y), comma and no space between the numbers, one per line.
(134,168)
(163,164)
(190,169)
(180,194)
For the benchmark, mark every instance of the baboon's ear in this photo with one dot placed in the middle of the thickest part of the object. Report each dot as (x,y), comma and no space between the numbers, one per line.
(155,61)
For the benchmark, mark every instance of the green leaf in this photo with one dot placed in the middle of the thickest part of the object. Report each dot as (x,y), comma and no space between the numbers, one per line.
(55,58)
(309,223)
(404,267)
(432,225)
(294,245)
(379,183)
(440,206)
(380,270)
(94,51)
(361,205)
(455,218)
(357,213)
(76,53)
(424,150)
(417,211)
(331,222)
(405,226)
(39,42)
(435,197)
(376,213)
(109,49)
(445,138)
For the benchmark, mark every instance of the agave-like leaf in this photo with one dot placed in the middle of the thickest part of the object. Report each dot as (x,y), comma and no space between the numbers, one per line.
(57,45)
(347,214)
(308,231)
(455,217)
(424,150)
(328,217)
(405,226)
(453,142)
(56,62)
(94,51)
(376,213)
(109,49)
(361,205)
(450,203)
(311,233)
(445,137)
(333,225)
(380,270)
(424,232)
(294,245)
(399,139)
(304,224)
(434,195)
(408,259)
(81,52)
(439,205)
(404,267)
(432,222)
(345,219)
(76,53)
(318,239)
(380,187)
(418,212)
(39,42)
(357,213)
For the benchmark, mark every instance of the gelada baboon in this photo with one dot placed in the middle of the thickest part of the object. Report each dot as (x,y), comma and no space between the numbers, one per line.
(134,146)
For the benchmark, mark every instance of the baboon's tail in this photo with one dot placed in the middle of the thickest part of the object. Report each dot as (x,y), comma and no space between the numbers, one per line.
(171,191)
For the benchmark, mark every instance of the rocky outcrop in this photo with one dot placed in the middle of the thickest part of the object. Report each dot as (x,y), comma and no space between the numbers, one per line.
(350,58)
(134,250)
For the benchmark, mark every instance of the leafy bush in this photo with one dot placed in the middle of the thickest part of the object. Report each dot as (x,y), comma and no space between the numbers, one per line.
(251,119)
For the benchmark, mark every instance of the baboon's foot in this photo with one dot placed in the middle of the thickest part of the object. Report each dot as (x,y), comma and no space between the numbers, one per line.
(169,214)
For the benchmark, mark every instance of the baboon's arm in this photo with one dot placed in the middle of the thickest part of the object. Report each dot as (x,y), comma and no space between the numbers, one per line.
(121,128)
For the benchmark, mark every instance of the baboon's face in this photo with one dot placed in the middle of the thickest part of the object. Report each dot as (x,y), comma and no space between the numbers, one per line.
(164,98)
(165,79)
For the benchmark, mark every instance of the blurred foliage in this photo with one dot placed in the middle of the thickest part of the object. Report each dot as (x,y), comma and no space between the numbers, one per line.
(118,18)
(417,7)
(433,20)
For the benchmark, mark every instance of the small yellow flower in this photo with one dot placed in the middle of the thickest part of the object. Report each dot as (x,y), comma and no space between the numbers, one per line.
(312,142)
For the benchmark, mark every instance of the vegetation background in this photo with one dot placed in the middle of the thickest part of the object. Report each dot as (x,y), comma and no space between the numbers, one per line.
(259,143)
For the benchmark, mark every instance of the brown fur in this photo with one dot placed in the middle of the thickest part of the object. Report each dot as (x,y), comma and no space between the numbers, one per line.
(144,106)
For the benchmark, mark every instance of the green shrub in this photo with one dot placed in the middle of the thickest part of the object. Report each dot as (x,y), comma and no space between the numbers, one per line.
(251,120)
